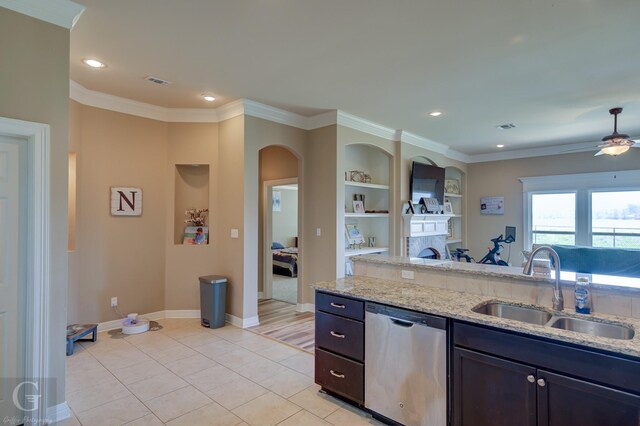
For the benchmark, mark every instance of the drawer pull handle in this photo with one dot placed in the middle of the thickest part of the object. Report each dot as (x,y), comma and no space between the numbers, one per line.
(338,305)
(338,375)
(338,335)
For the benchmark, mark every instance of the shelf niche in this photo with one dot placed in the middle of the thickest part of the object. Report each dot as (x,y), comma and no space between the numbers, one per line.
(191,192)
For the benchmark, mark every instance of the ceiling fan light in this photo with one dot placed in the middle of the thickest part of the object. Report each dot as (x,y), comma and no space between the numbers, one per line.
(615,149)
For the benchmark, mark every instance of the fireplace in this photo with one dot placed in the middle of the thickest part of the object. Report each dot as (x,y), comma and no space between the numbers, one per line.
(429,253)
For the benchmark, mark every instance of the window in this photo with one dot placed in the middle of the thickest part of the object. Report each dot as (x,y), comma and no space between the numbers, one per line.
(615,219)
(589,209)
(553,218)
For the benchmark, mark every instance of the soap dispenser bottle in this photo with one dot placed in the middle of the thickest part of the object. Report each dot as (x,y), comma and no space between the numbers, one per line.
(583,295)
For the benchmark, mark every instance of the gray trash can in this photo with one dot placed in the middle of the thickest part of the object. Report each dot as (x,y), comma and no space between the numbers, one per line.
(213,300)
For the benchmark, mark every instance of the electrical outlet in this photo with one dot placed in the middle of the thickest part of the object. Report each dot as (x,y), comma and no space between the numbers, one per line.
(407,275)
(234,233)
(318,232)
(114,302)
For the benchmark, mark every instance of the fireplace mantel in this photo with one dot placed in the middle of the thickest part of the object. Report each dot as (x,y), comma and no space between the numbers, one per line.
(425,225)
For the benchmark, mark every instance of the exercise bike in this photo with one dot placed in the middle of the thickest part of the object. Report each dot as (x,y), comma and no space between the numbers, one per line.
(493,257)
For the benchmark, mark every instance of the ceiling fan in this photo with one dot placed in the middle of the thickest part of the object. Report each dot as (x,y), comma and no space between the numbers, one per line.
(615,143)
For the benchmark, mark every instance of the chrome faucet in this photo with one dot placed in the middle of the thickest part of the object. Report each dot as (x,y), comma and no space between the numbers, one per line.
(557,299)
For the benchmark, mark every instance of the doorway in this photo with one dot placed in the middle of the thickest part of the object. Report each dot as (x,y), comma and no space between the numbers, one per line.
(281,241)
(24,269)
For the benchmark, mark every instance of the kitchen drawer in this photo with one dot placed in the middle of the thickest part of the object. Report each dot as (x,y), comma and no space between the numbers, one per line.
(338,305)
(340,375)
(341,335)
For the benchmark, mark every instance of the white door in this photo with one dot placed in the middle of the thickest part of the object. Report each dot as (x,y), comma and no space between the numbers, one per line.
(12,256)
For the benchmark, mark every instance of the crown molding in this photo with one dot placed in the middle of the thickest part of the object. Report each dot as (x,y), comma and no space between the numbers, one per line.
(63,13)
(85,96)
(366,126)
(277,115)
(325,119)
(533,152)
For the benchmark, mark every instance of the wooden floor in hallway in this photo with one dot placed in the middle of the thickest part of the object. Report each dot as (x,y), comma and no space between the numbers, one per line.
(280,321)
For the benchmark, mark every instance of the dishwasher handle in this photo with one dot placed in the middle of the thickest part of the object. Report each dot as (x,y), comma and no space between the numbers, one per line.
(401,323)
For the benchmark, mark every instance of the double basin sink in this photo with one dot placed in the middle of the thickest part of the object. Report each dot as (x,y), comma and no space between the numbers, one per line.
(540,316)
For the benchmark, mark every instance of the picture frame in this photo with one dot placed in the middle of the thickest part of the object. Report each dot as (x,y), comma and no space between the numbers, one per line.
(356,176)
(276,201)
(448,208)
(449,229)
(358,207)
(429,205)
(452,186)
(196,235)
(491,205)
(354,236)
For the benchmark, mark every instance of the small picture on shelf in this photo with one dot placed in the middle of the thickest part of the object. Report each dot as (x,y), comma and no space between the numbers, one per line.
(448,208)
(354,236)
(449,229)
(196,235)
(358,207)
(452,186)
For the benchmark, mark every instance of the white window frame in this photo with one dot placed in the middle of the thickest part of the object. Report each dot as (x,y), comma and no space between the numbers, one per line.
(583,185)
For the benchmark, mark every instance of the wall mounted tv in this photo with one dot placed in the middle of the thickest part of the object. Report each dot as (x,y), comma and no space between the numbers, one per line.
(427,182)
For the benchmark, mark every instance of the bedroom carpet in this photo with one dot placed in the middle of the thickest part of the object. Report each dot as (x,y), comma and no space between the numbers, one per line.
(285,289)
(280,321)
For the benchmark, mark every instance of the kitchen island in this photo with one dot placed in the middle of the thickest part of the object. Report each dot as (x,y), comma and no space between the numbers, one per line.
(499,369)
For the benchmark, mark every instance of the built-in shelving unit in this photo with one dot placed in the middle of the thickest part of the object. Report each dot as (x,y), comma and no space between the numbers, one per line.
(191,191)
(456,223)
(376,193)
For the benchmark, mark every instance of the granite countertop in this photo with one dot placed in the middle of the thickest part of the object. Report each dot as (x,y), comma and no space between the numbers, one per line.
(608,282)
(457,305)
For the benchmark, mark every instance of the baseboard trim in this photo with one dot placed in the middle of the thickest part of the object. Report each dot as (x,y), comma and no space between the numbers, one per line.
(242,322)
(305,307)
(185,313)
(57,413)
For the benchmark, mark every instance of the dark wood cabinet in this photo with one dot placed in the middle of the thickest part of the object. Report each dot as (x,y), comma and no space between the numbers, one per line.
(501,378)
(339,355)
(564,400)
(490,391)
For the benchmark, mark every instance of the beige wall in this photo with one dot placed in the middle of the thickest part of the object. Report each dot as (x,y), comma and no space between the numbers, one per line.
(190,143)
(321,209)
(231,196)
(500,178)
(118,256)
(285,221)
(35,92)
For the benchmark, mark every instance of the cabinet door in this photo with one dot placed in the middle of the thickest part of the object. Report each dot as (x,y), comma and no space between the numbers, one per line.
(489,391)
(567,401)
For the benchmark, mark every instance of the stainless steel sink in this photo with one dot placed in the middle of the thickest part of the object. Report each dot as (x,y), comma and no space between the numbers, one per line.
(540,316)
(594,328)
(514,312)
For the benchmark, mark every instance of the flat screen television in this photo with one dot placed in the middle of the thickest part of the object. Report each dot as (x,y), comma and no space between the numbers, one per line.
(426,182)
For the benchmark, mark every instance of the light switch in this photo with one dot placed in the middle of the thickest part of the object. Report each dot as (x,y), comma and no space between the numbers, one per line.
(318,232)
(234,233)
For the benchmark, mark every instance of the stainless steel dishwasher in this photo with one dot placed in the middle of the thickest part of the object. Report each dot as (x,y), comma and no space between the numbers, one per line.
(405,365)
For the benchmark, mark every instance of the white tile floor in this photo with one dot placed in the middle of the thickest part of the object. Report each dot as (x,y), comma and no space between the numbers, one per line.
(185,374)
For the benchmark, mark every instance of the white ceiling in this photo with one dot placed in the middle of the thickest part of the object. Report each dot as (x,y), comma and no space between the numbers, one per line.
(551,67)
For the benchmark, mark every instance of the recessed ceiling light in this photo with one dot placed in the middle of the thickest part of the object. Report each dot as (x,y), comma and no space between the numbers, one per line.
(435,113)
(506,126)
(500,146)
(94,63)
(208,98)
